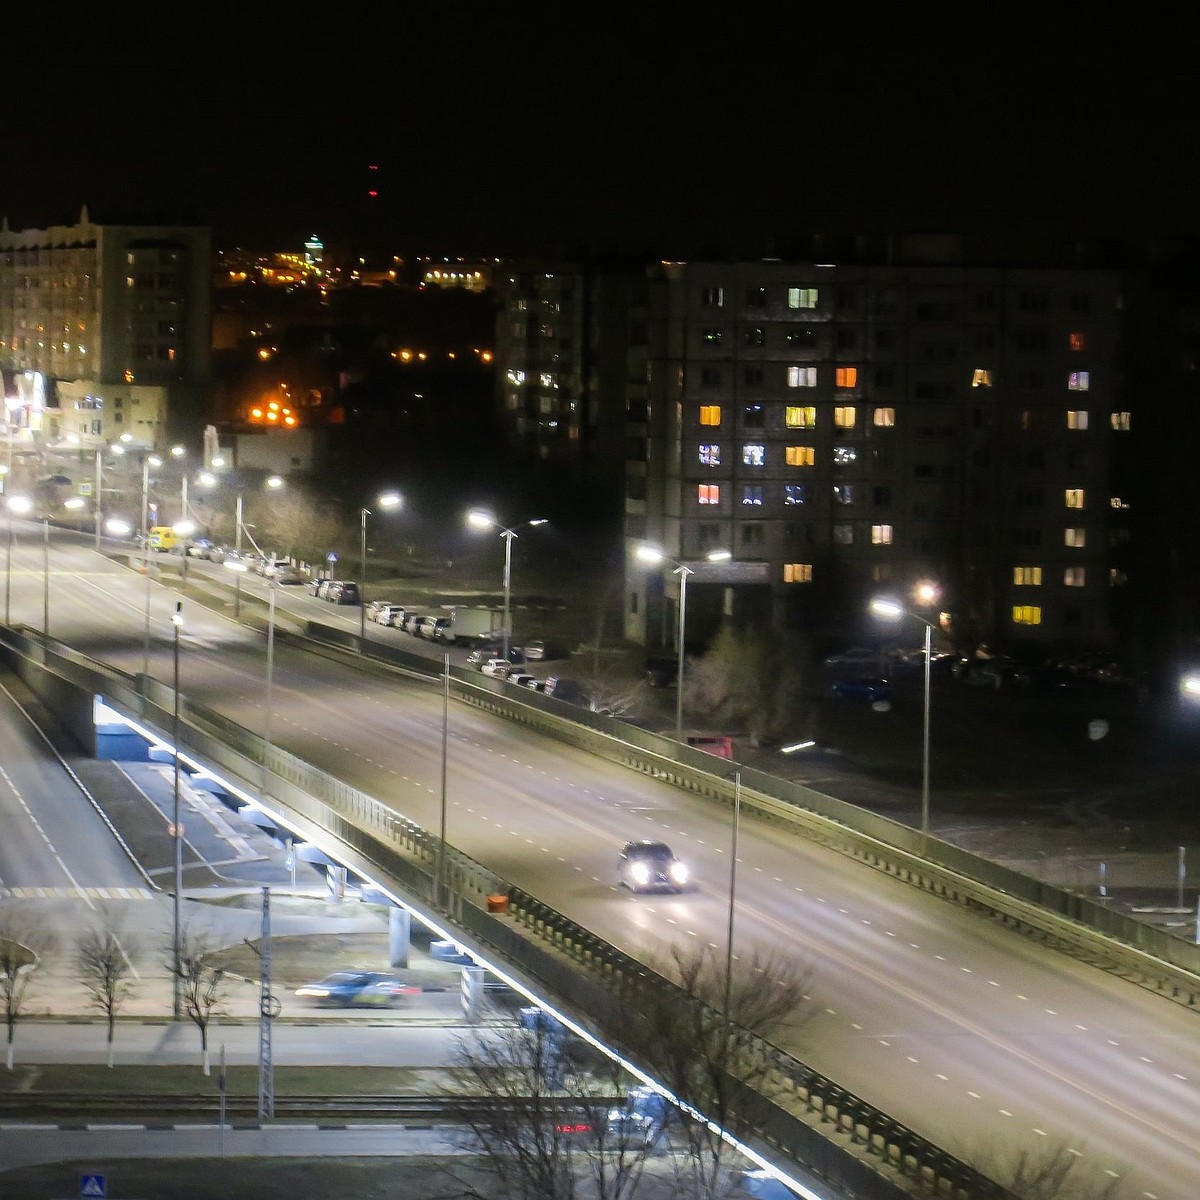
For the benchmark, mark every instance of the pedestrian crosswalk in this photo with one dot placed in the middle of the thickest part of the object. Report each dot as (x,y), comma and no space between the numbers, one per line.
(75,893)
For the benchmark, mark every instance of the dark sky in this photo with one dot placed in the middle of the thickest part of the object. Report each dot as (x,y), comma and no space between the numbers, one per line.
(537,132)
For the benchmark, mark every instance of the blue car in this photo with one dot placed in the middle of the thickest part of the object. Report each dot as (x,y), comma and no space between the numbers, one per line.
(869,689)
(346,989)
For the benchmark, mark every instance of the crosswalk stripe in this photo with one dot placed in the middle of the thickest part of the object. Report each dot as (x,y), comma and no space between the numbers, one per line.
(92,893)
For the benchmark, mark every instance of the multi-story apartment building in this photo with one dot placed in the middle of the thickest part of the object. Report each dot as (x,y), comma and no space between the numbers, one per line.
(104,329)
(562,351)
(849,430)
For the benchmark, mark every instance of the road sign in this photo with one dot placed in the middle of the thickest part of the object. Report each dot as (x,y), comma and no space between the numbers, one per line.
(92,1187)
(331,557)
(85,488)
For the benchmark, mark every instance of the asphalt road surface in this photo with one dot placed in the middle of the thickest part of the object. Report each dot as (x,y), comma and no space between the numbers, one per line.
(972,1036)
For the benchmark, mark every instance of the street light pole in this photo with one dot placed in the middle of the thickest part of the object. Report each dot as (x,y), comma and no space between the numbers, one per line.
(441,878)
(270,681)
(237,547)
(683,573)
(890,609)
(508,536)
(362,587)
(737,817)
(925,736)
(99,494)
(177,832)
(46,579)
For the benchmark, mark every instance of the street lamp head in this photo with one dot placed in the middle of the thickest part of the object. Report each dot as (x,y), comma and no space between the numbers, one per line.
(719,555)
(926,592)
(651,555)
(118,527)
(20,505)
(217,462)
(183,528)
(117,449)
(207,479)
(154,461)
(178,451)
(888,609)
(537,521)
(390,500)
(478,519)
(275,482)
(127,438)
(74,502)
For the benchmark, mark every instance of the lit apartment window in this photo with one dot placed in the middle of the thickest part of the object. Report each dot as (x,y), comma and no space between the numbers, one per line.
(847,377)
(754,455)
(709,493)
(1075,537)
(1078,381)
(752,494)
(797,572)
(1027,576)
(1077,341)
(883,418)
(1026,614)
(711,337)
(798,416)
(843,493)
(1116,577)
(1074,497)
(1077,418)
(800,456)
(1120,421)
(795,493)
(981,377)
(799,297)
(1075,577)
(712,297)
(710,414)
(881,535)
(843,456)
(710,454)
(1117,502)
(798,377)
(844,416)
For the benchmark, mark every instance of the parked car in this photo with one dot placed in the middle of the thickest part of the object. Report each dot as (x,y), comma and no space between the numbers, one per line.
(314,586)
(868,688)
(380,611)
(521,678)
(480,655)
(435,628)
(410,621)
(534,651)
(358,988)
(343,591)
(199,548)
(496,667)
(287,573)
(647,866)
(423,627)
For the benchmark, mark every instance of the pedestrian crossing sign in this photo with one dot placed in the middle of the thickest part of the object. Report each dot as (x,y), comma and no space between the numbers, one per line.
(92,1187)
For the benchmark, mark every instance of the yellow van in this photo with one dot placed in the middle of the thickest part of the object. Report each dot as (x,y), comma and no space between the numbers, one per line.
(162,537)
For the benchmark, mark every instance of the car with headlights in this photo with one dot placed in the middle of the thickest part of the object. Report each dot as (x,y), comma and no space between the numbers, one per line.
(354,989)
(651,867)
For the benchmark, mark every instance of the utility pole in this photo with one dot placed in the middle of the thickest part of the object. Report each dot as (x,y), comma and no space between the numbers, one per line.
(268,1009)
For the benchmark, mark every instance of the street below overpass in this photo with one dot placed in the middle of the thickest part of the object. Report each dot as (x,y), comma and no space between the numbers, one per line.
(984,1042)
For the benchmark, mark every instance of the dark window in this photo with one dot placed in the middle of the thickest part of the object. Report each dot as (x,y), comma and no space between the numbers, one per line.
(754,417)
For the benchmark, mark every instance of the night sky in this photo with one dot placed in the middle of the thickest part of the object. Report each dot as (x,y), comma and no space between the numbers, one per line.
(539,133)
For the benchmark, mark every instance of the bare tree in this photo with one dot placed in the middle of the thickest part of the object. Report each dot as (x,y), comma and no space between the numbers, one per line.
(294,524)
(544,1132)
(706,1037)
(757,682)
(203,987)
(23,947)
(104,960)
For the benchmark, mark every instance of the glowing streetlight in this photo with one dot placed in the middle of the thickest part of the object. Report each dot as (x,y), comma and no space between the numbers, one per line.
(892,610)
(478,518)
(655,556)
(388,501)
(22,506)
